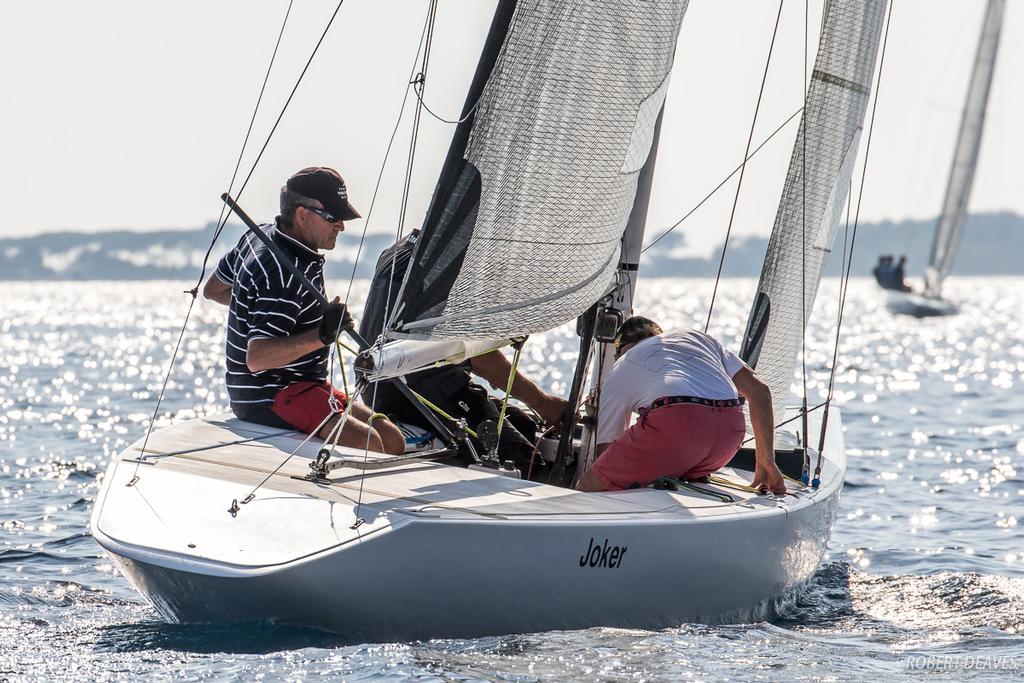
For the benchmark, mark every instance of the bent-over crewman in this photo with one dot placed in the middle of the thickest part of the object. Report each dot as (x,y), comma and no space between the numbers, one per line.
(686,388)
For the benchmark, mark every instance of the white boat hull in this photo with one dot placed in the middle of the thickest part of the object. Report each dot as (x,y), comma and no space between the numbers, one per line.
(919,305)
(449,552)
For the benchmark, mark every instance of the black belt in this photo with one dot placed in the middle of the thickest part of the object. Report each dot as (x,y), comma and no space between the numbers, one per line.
(709,402)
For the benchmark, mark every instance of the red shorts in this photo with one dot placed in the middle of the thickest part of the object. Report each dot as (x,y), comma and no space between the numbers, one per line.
(685,440)
(305,405)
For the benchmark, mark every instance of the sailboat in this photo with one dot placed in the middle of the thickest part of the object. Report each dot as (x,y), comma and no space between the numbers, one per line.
(537,219)
(952,219)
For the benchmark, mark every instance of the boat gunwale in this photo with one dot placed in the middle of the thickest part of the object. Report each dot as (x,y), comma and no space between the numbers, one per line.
(178,561)
(430,513)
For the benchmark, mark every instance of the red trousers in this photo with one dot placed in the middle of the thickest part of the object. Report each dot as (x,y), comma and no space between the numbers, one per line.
(683,440)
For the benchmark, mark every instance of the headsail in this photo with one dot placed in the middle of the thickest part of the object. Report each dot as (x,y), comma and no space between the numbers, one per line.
(965,157)
(816,189)
(526,234)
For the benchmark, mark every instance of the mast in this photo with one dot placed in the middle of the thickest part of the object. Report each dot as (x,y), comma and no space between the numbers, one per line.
(455,159)
(525,228)
(951,223)
(598,324)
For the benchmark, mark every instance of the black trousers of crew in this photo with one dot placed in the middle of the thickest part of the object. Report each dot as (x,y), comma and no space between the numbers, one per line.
(471,402)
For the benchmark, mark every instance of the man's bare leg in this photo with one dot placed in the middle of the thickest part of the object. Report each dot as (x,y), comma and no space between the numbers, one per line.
(591,482)
(354,434)
(390,435)
(382,437)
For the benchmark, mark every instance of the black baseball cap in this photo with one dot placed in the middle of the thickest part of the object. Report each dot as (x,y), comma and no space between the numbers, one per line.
(326,186)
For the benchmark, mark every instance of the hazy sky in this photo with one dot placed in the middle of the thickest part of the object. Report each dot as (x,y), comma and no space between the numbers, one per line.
(119,114)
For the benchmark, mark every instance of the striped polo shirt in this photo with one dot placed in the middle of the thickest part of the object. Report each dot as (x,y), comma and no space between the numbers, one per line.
(267,302)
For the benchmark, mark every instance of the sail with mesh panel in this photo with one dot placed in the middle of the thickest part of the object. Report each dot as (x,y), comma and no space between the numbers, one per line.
(815,191)
(524,233)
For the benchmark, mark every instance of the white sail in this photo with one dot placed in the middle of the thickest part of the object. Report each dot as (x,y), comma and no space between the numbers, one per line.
(529,235)
(965,157)
(816,189)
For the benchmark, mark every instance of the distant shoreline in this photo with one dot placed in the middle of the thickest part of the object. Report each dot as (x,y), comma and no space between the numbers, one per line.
(991,246)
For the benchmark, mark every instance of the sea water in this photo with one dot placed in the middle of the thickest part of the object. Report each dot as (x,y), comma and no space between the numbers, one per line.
(924,575)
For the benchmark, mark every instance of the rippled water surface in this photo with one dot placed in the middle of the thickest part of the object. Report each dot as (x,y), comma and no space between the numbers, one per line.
(924,578)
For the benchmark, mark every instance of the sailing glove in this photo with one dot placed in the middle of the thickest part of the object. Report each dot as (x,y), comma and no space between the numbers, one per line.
(336,318)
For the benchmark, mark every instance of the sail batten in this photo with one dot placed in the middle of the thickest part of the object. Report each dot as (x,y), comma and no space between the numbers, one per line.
(525,234)
(815,191)
(953,217)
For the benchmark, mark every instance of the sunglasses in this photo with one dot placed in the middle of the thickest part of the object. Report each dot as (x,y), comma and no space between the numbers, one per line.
(325,214)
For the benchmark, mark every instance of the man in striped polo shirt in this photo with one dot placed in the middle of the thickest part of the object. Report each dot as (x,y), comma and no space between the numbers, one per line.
(278,335)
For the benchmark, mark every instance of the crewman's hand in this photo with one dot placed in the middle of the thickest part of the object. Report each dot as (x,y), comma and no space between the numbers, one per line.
(336,318)
(768,477)
(553,409)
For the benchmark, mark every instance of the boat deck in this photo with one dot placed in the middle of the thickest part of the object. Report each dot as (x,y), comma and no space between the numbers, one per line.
(195,472)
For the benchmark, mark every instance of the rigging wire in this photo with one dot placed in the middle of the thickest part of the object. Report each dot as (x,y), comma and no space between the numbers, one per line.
(426,40)
(743,166)
(726,179)
(384,163)
(414,136)
(288,101)
(222,219)
(335,435)
(330,440)
(252,493)
(844,277)
(803,255)
(787,421)
(595,395)
(856,215)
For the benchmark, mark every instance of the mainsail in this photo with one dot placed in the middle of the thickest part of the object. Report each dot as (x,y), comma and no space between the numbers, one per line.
(965,157)
(525,233)
(815,191)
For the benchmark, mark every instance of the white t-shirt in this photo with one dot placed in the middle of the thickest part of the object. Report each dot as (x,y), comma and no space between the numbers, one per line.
(686,363)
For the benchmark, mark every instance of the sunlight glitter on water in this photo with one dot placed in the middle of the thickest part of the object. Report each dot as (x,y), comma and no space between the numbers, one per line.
(926,554)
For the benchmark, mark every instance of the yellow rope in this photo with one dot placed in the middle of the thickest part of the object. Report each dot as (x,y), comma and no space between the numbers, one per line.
(439,411)
(508,386)
(729,484)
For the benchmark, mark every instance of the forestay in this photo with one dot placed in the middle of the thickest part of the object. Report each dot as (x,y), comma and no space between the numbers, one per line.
(529,227)
(815,191)
(965,157)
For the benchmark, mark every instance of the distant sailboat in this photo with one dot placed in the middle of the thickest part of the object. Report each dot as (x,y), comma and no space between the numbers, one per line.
(536,219)
(949,230)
